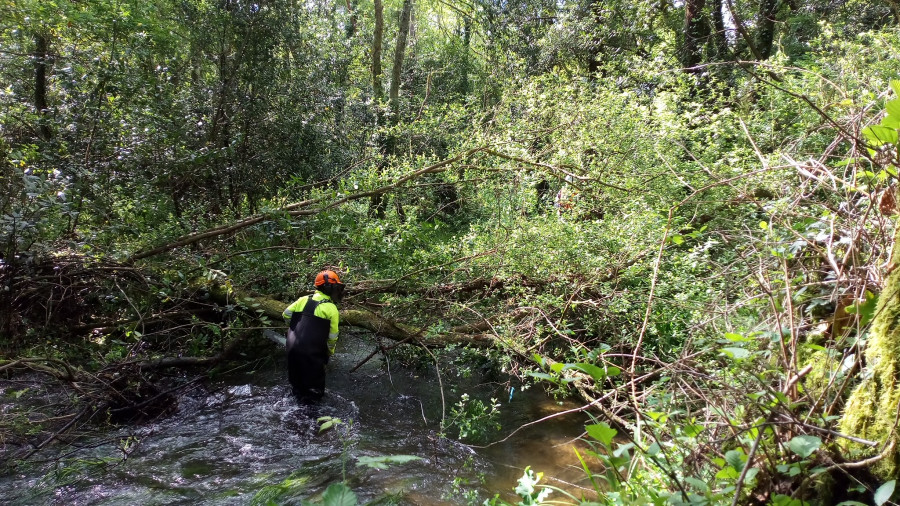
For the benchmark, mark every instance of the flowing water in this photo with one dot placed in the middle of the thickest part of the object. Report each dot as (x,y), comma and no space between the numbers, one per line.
(243,438)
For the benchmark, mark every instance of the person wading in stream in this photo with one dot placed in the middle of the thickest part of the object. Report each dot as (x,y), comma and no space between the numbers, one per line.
(312,336)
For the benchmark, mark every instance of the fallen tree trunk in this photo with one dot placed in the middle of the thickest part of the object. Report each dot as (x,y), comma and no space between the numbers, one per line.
(303,208)
(585,385)
(313,206)
(226,294)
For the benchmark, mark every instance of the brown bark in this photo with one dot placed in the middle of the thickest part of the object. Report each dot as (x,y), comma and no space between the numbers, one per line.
(594,63)
(377,87)
(765,34)
(41,57)
(351,28)
(696,32)
(739,25)
(399,52)
(360,318)
(719,38)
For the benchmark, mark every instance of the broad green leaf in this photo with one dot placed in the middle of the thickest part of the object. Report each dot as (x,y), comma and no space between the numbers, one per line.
(595,372)
(338,494)
(692,429)
(892,121)
(698,484)
(884,492)
(656,415)
(735,338)
(735,459)
(622,449)
(893,109)
(653,449)
(727,473)
(601,432)
(865,309)
(542,376)
(735,353)
(804,446)
(384,461)
(878,135)
(785,500)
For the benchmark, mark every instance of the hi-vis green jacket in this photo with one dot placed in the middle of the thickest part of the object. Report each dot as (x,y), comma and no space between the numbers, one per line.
(326,310)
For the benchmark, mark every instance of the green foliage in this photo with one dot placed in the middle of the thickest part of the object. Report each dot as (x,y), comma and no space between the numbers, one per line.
(339,494)
(474,419)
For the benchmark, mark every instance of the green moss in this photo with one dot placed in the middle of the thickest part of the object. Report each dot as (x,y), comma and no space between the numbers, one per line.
(871,410)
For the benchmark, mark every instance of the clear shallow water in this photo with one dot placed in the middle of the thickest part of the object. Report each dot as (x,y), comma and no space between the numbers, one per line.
(228,441)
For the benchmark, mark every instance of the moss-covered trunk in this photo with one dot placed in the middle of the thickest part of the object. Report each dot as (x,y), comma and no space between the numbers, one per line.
(871,411)
(225,293)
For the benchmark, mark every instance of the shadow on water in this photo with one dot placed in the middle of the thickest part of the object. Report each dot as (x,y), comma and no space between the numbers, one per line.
(246,437)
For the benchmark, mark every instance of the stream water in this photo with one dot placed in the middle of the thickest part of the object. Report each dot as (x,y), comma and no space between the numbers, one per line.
(244,437)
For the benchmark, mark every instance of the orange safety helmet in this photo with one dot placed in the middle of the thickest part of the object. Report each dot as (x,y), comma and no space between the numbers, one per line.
(327,278)
(330,284)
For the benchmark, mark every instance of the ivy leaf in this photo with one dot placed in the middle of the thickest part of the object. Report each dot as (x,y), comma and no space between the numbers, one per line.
(804,446)
(601,432)
(885,492)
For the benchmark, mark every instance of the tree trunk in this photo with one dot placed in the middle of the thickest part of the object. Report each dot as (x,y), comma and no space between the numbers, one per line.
(765,35)
(41,56)
(226,294)
(872,409)
(594,65)
(352,21)
(720,39)
(378,205)
(377,87)
(696,31)
(399,52)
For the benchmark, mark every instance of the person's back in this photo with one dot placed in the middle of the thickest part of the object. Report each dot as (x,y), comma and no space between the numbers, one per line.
(312,336)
